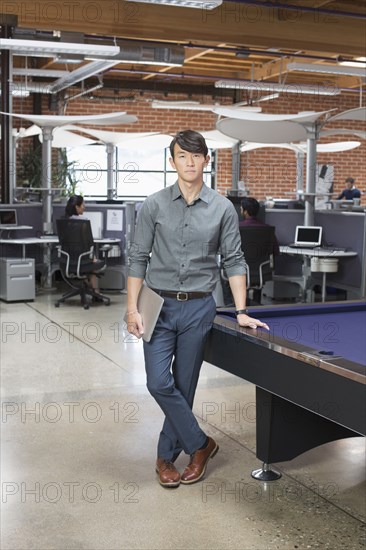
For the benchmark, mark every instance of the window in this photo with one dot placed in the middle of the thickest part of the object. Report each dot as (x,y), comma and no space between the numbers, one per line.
(136,174)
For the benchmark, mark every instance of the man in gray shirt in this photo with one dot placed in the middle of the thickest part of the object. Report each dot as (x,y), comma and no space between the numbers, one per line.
(179,232)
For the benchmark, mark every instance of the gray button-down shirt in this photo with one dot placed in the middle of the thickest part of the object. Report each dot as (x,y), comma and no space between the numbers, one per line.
(176,244)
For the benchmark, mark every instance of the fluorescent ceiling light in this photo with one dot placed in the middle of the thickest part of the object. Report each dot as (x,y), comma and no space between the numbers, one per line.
(49,73)
(358,62)
(19,93)
(326,69)
(91,69)
(141,62)
(196,106)
(182,105)
(42,48)
(274,87)
(200,4)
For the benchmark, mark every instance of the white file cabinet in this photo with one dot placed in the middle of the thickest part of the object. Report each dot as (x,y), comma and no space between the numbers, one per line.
(17,279)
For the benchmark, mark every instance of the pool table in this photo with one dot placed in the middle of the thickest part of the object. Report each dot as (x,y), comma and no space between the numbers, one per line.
(309,371)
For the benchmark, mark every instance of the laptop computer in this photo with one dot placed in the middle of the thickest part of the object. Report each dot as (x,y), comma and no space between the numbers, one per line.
(149,305)
(307,236)
(8,218)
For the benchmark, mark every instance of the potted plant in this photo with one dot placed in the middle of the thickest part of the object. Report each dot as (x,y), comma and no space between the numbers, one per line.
(64,176)
(30,173)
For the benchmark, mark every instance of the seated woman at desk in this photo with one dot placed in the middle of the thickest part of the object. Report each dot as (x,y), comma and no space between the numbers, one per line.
(75,208)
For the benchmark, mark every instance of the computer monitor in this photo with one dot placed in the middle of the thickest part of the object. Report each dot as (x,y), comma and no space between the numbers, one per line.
(96,223)
(8,217)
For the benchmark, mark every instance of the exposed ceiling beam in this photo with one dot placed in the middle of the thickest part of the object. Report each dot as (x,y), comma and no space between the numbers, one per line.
(271,69)
(230,23)
(350,82)
(241,40)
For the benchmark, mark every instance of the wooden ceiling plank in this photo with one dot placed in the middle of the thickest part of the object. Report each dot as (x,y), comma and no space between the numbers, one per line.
(231,22)
(271,70)
(349,82)
(190,55)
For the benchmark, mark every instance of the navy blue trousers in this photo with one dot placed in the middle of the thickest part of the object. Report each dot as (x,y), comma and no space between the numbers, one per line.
(173,360)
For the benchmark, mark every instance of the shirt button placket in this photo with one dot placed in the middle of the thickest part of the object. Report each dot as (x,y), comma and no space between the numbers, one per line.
(183,262)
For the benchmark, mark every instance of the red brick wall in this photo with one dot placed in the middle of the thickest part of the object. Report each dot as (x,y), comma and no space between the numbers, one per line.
(267,171)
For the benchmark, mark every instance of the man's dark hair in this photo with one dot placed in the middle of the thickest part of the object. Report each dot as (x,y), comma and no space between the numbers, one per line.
(190,141)
(250,205)
(350,180)
(72,203)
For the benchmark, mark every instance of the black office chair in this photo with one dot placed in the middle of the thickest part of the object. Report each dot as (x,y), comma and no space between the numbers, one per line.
(77,260)
(258,244)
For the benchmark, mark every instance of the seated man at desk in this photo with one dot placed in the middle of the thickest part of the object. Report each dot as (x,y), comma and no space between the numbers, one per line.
(249,210)
(350,192)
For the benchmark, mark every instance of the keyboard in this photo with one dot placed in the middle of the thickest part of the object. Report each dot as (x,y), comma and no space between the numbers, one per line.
(294,245)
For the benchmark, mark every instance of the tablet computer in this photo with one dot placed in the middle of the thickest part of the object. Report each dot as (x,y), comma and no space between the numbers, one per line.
(149,305)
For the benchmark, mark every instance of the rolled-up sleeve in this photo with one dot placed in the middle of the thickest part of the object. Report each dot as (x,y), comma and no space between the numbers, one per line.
(233,260)
(140,248)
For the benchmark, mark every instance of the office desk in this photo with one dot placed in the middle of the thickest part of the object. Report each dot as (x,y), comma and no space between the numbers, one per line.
(309,372)
(318,252)
(47,242)
(14,228)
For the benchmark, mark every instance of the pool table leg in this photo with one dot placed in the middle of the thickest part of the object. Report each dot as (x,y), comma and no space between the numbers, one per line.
(285,430)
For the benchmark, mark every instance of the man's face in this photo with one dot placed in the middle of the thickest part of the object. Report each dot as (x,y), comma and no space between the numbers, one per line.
(349,185)
(189,166)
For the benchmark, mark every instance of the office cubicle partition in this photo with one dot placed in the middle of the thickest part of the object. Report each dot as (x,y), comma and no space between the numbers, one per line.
(27,215)
(111,221)
(109,226)
(340,229)
(345,230)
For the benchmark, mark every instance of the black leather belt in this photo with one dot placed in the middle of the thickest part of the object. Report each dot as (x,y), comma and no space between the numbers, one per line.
(181,296)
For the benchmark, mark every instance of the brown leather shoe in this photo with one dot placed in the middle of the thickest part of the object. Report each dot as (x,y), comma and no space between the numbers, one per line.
(168,473)
(197,465)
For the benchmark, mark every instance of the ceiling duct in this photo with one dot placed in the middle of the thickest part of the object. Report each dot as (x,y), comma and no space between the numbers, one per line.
(71,38)
(31,34)
(149,54)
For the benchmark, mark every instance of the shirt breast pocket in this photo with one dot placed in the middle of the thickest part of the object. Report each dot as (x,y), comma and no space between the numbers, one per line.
(206,241)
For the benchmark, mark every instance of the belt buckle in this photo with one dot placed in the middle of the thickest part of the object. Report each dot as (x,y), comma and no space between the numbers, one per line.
(182,299)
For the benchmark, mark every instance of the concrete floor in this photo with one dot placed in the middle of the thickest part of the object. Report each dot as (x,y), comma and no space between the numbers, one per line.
(79,433)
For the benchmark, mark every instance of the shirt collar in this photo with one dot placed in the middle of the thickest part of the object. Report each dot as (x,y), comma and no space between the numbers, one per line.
(203,195)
